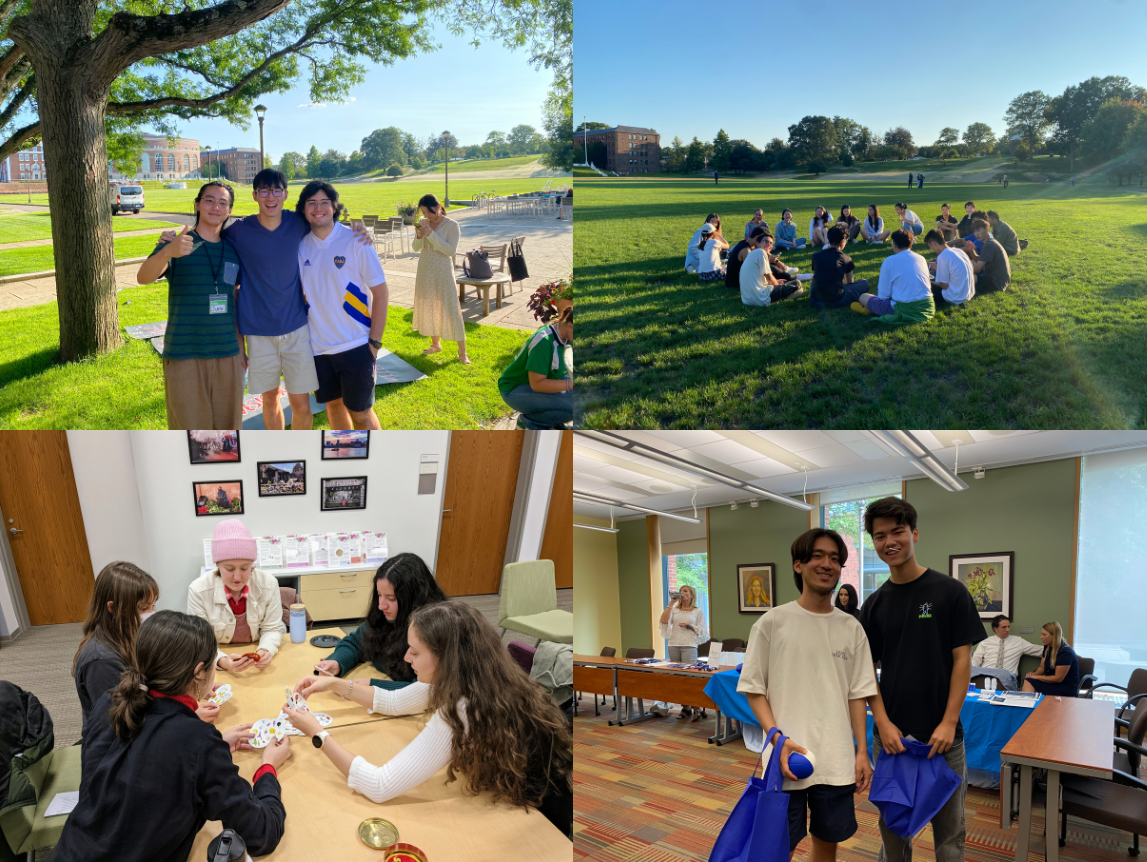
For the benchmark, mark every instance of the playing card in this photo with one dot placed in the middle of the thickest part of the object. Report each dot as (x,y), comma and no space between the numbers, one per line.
(296,701)
(222,695)
(323,719)
(267,730)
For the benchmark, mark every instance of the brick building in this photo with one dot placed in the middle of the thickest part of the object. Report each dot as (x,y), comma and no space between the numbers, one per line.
(240,164)
(24,166)
(162,161)
(628,149)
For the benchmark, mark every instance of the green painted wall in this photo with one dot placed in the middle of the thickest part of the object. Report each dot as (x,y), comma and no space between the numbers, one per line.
(761,535)
(633,584)
(597,615)
(1029,510)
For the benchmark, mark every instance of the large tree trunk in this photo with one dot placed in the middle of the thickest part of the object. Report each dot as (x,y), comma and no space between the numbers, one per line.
(72,107)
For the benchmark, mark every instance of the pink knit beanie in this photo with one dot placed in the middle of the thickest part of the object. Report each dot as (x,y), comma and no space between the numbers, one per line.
(233,541)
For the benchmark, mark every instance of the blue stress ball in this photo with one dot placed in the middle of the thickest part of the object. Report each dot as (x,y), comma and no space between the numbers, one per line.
(801,765)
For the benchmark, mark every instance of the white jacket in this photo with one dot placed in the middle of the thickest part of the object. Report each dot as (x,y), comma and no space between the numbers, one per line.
(207,598)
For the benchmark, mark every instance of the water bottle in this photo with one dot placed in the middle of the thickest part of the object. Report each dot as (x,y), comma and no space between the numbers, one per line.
(298,623)
(227,846)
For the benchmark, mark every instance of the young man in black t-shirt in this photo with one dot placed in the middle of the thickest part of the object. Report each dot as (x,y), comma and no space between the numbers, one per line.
(921,627)
(832,284)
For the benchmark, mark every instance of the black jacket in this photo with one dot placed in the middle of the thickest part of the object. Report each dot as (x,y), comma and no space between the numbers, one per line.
(98,670)
(146,799)
(26,737)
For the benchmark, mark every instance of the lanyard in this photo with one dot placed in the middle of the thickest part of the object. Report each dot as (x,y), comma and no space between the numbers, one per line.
(215,267)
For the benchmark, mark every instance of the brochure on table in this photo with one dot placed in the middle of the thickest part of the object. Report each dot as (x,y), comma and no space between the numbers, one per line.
(315,550)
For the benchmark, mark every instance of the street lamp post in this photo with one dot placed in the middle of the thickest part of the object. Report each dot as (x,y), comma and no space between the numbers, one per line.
(585,138)
(207,150)
(446,144)
(260,111)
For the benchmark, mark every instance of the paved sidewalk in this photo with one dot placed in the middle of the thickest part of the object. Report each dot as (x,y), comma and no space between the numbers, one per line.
(548,249)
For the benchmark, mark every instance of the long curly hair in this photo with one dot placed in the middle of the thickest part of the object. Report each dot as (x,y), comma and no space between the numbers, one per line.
(168,648)
(414,586)
(519,743)
(127,587)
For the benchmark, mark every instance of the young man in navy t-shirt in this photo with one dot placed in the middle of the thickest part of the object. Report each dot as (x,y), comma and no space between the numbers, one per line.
(921,627)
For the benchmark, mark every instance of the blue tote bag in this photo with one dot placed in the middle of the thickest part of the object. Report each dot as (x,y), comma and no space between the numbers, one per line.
(758,828)
(909,789)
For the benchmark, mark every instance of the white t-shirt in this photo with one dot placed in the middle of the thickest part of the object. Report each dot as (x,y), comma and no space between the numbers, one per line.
(955,270)
(337,274)
(692,252)
(710,257)
(810,666)
(911,218)
(904,277)
(755,290)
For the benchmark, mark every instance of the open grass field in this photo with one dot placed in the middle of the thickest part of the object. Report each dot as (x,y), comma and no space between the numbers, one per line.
(25,227)
(1062,348)
(124,389)
(474,165)
(375,198)
(40,258)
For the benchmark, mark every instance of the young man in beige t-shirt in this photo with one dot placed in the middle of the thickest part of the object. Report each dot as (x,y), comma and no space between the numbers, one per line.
(807,672)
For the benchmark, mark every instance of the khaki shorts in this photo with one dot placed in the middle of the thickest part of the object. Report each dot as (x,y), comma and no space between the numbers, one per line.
(204,393)
(288,356)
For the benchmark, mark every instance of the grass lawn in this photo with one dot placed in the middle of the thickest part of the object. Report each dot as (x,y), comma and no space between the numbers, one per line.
(124,389)
(25,227)
(657,348)
(375,198)
(40,258)
(484,165)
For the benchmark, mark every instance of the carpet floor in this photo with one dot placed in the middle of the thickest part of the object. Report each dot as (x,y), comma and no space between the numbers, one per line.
(657,791)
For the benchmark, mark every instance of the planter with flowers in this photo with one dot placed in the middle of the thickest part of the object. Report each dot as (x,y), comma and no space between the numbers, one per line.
(408,211)
(548,301)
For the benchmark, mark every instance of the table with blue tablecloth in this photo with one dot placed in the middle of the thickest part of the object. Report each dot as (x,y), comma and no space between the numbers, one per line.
(987,726)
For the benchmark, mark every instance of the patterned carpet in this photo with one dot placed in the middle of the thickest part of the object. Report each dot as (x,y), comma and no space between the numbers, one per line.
(657,791)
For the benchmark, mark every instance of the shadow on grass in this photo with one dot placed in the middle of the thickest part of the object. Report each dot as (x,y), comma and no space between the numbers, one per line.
(27,366)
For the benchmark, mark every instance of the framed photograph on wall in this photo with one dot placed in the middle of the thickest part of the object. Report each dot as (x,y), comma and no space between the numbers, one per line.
(990,578)
(282,478)
(345,492)
(345,444)
(218,498)
(213,447)
(756,587)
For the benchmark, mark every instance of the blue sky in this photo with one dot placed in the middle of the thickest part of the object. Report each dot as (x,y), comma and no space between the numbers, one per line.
(469,91)
(688,68)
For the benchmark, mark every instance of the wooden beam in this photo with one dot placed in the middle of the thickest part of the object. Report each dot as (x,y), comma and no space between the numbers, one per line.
(1075,548)
(653,548)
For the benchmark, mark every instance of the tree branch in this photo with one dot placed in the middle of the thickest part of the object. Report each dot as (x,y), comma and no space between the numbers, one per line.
(10,59)
(14,106)
(17,139)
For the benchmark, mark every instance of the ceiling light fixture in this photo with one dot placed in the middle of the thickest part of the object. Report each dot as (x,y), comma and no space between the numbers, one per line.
(596,527)
(617,441)
(733,505)
(753,504)
(606,501)
(906,445)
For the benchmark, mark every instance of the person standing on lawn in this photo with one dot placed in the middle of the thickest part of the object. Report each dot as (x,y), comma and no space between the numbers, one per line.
(436,311)
(955,281)
(808,672)
(993,271)
(921,627)
(346,290)
(714,178)
(904,290)
(832,284)
(203,364)
(910,179)
(538,382)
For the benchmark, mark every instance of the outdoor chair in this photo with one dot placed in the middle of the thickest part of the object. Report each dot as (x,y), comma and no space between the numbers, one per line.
(384,236)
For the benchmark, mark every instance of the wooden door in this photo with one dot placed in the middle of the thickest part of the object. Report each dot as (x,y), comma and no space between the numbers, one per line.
(557,543)
(39,502)
(481,479)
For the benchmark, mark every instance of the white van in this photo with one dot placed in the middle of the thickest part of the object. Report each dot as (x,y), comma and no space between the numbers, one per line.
(125,197)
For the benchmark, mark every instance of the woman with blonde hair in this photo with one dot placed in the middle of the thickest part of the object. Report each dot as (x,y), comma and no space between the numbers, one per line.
(683,625)
(436,311)
(1059,668)
(491,723)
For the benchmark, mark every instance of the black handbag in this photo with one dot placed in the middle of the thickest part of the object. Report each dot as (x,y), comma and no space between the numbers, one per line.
(518,271)
(477,265)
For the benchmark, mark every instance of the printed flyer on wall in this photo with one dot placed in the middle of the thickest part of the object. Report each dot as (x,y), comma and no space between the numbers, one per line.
(270,550)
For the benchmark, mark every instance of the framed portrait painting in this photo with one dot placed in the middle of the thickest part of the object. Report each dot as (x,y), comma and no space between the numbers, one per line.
(990,578)
(756,587)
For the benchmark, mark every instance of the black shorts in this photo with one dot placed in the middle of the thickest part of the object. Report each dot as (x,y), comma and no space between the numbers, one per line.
(833,813)
(348,375)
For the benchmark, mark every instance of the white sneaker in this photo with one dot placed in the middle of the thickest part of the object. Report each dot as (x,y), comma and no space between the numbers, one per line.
(792,269)
(804,276)
(823,247)
(659,709)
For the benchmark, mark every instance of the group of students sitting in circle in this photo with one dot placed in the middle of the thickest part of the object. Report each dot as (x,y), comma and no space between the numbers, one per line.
(145,678)
(971,256)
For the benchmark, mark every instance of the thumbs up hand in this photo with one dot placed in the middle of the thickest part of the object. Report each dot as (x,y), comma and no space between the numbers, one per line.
(181,245)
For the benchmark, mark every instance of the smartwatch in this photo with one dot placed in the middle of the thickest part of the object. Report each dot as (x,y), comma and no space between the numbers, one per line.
(377,345)
(319,738)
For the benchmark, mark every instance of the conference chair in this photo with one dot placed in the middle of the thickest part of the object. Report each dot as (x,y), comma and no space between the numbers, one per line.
(1120,803)
(529,603)
(1087,677)
(732,645)
(639,652)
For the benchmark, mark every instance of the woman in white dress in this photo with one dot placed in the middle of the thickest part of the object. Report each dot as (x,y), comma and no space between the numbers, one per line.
(436,311)
(683,625)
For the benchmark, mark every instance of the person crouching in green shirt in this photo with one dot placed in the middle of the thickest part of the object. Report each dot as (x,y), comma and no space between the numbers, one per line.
(202,364)
(538,382)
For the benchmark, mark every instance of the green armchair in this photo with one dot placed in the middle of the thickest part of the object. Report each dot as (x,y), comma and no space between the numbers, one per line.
(529,603)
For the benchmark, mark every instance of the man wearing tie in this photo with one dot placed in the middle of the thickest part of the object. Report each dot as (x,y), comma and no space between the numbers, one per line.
(1003,651)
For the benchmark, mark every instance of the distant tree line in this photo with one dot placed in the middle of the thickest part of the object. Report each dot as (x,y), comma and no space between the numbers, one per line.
(396,152)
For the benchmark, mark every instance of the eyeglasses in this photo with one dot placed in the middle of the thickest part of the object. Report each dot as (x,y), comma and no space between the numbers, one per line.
(279,193)
(220,201)
(319,204)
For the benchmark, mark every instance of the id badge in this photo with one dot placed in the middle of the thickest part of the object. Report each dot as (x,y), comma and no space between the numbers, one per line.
(230,272)
(217,303)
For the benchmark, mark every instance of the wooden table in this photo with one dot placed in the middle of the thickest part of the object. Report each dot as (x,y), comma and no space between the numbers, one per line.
(1063,735)
(323,813)
(627,681)
(482,284)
